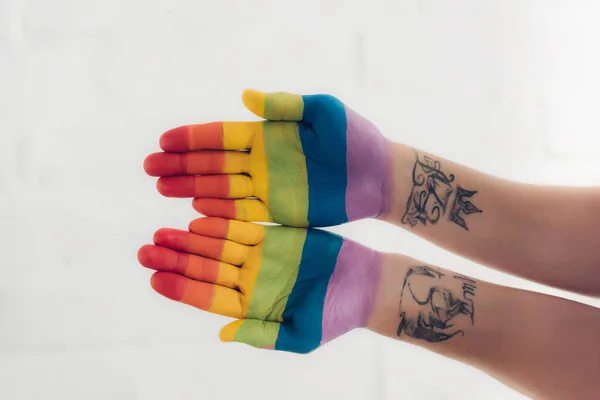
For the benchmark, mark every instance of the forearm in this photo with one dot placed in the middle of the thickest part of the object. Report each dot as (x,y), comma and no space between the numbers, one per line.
(547,234)
(543,346)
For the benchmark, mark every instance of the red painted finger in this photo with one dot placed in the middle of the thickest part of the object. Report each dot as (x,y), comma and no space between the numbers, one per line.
(197,163)
(218,249)
(205,296)
(215,186)
(214,135)
(192,266)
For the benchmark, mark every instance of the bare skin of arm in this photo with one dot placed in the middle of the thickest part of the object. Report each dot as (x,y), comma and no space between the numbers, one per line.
(543,346)
(542,233)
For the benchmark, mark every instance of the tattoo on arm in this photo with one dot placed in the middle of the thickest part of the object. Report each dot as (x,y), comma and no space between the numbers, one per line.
(430,194)
(434,306)
(462,205)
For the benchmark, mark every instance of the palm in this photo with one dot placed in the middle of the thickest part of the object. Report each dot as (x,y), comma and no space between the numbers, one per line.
(279,280)
(274,289)
(314,162)
(300,182)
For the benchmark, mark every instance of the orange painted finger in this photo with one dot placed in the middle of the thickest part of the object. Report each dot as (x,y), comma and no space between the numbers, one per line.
(192,266)
(202,295)
(243,210)
(237,231)
(217,186)
(214,135)
(218,249)
(197,163)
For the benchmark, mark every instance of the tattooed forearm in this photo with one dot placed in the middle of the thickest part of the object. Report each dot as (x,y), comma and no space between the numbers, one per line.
(430,194)
(434,306)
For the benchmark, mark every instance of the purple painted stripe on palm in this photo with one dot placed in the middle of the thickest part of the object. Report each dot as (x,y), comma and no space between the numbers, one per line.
(368,166)
(351,290)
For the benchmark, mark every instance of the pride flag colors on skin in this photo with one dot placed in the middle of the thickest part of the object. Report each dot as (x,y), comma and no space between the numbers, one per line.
(290,289)
(313,162)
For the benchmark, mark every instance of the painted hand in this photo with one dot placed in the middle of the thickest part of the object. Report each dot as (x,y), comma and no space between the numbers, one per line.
(314,162)
(291,289)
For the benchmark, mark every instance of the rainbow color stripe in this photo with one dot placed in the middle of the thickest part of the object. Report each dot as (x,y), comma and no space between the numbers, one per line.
(314,162)
(291,289)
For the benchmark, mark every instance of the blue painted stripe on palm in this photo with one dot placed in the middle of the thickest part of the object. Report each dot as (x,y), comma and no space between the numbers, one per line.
(319,257)
(327,180)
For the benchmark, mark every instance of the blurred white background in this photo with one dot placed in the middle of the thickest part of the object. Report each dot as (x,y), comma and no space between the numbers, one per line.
(86,87)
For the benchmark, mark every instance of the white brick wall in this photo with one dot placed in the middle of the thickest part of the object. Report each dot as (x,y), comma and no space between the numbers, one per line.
(86,87)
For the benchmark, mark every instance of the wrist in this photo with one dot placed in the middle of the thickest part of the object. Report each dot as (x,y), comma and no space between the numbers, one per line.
(352,290)
(399,173)
(369,168)
(384,316)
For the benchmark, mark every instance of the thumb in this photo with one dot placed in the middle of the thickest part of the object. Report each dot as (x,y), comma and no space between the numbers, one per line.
(278,106)
(253,332)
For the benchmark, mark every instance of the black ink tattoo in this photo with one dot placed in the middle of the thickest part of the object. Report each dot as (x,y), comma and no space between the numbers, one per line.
(430,193)
(435,307)
(463,205)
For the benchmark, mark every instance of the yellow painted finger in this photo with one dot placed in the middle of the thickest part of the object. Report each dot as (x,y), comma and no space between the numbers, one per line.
(192,266)
(237,231)
(244,210)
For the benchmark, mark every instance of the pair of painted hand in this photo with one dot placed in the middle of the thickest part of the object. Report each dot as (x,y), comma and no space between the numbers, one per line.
(312,162)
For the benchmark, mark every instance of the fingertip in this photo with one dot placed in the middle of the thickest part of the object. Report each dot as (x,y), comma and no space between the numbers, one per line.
(250,95)
(227,333)
(176,186)
(170,285)
(162,186)
(210,226)
(192,224)
(172,238)
(176,140)
(160,235)
(165,164)
(254,101)
(144,254)
(198,205)
(161,258)
(215,207)
(197,224)
(150,164)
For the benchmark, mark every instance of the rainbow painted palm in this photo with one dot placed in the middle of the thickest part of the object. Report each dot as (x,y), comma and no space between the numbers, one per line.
(314,162)
(292,289)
